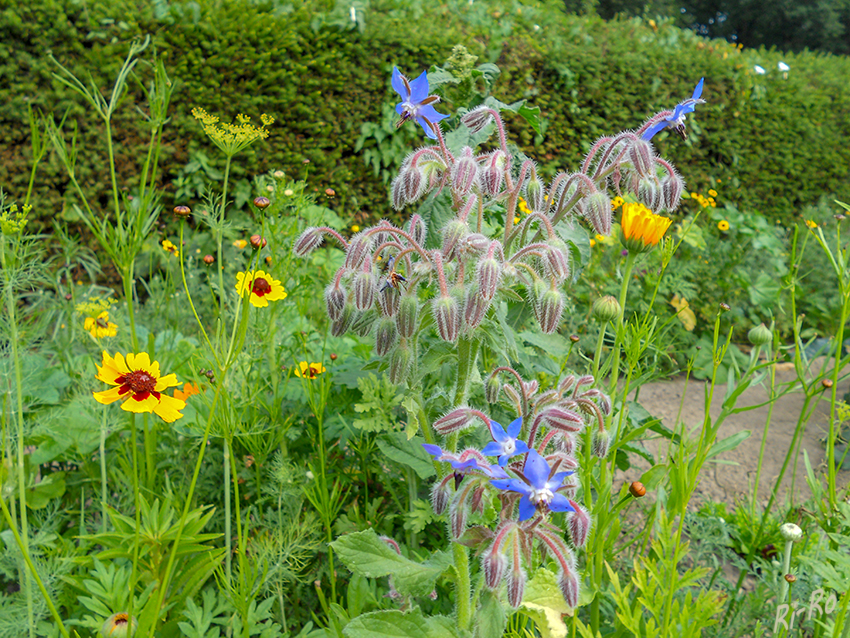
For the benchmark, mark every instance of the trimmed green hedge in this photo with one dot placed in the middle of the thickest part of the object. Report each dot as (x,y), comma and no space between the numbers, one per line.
(776,143)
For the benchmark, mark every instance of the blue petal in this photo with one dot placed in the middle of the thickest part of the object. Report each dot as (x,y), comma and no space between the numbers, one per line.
(434,450)
(514,428)
(652,131)
(419,88)
(536,469)
(498,431)
(463,465)
(521,447)
(498,472)
(558,479)
(526,509)
(493,449)
(428,131)
(560,504)
(511,485)
(399,108)
(428,112)
(698,90)
(398,85)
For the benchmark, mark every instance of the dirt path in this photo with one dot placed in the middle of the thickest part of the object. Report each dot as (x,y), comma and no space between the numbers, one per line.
(730,476)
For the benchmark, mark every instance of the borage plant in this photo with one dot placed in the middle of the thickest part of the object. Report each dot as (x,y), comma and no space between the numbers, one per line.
(439,303)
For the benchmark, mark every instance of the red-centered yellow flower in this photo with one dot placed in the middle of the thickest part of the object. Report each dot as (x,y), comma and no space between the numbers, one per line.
(309,370)
(118,626)
(262,287)
(641,228)
(100,327)
(188,390)
(139,385)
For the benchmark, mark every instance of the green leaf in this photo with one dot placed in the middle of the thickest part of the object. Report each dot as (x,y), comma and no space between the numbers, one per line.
(366,554)
(397,447)
(553,344)
(544,602)
(653,476)
(397,624)
(50,487)
(729,443)
(412,406)
(492,619)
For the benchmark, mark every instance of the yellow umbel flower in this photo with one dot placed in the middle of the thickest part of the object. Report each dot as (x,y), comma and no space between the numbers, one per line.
(100,326)
(232,138)
(262,286)
(641,228)
(309,370)
(139,385)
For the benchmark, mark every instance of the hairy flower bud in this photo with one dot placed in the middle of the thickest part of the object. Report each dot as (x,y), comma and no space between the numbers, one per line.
(464,173)
(309,240)
(562,419)
(493,173)
(406,317)
(477,118)
(642,158)
(440,495)
(413,184)
(398,194)
(549,309)
(363,287)
(491,389)
(557,260)
(400,362)
(579,524)
(475,243)
(457,518)
(359,247)
(475,307)
(334,301)
(453,233)
(385,336)
(457,420)
(339,327)
(488,274)
(388,300)
(671,191)
(649,193)
(447,317)
(760,335)
(516,587)
(513,396)
(363,322)
(606,308)
(534,191)
(418,229)
(597,210)
(570,587)
(601,444)
(493,564)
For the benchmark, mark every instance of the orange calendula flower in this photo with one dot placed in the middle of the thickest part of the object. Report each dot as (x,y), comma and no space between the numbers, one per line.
(262,286)
(188,390)
(723,225)
(309,370)
(139,385)
(641,228)
(100,327)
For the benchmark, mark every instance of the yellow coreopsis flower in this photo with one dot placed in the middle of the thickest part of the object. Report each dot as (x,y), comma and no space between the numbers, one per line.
(309,370)
(723,225)
(262,286)
(641,228)
(139,385)
(168,247)
(100,326)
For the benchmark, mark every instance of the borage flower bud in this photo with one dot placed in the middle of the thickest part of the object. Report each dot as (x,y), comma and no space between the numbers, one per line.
(258,242)
(440,494)
(464,173)
(363,287)
(493,564)
(334,301)
(760,335)
(642,157)
(407,315)
(513,396)
(453,233)
(562,419)
(447,317)
(388,300)
(385,336)
(400,362)
(671,191)
(413,184)
(398,194)
(558,260)
(601,444)
(475,308)
(477,118)
(363,323)
(493,173)
(476,243)
(359,247)
(549,310)
(579,524)
(534,192)
(597,211)
(489,274)
(649,193)
(418,229)
(606,308)
(339,327)
(516,587)
(457,420)
(309,240)
(491,389)
(570,587)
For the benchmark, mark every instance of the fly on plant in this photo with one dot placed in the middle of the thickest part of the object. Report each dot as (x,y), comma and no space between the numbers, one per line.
(394,279)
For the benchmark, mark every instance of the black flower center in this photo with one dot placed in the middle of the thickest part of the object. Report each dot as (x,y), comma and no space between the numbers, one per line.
(261,287)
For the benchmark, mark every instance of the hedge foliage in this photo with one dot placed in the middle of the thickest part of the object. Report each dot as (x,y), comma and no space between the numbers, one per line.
(775,143)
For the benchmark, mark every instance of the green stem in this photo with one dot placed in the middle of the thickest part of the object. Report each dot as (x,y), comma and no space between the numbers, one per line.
(127,277)
(103,484)
(189,297)
(134,444)
(618,342)
(228,556)
(220,239)
(112,175)
(463,586)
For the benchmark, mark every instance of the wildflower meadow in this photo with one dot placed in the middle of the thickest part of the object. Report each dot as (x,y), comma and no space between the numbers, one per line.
(243,403)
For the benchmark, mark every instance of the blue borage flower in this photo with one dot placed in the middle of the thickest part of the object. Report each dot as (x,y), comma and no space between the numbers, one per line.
(416,103)
(465,462)
(505,444)
(538,486)
(676,119)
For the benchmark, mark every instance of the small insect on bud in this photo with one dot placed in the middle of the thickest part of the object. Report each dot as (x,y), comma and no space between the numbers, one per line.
(597,211)
(493,564)
(642,157)
(309,240)
(447,317)
(760,335)
(182,211)
(262,202)
(400,362)
(407,315)
(601,444)
(549,308)
(606,308)
(725,307)
(491,389)
(637,489)
(258,242)
(385,336)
